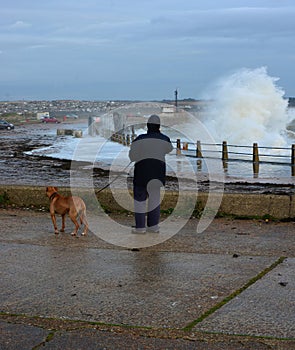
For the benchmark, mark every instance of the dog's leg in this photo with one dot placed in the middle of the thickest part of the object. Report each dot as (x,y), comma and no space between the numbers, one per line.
(63,223)
(53,218)
(73,216)
(84,221)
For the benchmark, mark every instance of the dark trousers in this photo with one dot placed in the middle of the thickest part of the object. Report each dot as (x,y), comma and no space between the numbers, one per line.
(146,203)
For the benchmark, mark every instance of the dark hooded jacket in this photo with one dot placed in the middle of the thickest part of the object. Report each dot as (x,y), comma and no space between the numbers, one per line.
(148,151)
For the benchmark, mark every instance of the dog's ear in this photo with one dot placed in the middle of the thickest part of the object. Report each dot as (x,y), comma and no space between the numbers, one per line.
(55,189)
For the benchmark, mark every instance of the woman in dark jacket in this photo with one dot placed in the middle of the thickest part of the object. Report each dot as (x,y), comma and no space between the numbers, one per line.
(148,152)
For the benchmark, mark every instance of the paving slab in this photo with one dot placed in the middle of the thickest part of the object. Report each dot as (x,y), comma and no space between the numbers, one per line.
(93,340)
(267,308)
(19,336)
(155,289)
(223,236)
(16,336)
(48,281)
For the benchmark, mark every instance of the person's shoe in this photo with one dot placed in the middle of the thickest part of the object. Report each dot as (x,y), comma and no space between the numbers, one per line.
(138,230)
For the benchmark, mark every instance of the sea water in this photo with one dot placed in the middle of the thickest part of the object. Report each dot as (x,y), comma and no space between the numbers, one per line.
(244,107)
(248,106)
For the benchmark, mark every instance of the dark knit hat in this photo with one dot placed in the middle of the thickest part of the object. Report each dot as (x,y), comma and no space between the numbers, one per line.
(154,119)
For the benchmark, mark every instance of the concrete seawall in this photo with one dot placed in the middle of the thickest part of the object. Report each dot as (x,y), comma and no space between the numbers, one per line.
(237,204)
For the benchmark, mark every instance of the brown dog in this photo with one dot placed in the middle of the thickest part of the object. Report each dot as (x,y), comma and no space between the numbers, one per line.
(72,205)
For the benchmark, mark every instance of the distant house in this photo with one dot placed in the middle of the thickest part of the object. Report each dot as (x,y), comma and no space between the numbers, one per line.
(41,115)
(168,109)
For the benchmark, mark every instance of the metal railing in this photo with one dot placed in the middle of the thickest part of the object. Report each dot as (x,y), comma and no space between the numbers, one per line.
(229,152)
(235,152)
(224,151)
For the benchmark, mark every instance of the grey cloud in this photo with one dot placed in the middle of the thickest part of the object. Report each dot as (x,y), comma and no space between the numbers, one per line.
(227,22)
(130,40)
(19,25)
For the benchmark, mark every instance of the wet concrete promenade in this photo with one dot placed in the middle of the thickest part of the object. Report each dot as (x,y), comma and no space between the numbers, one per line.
(230,287)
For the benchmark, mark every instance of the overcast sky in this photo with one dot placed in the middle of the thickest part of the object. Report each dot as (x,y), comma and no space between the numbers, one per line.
(139,49)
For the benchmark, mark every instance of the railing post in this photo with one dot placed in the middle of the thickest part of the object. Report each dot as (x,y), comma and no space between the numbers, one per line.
(293,160)
(255,153)
(198,150)
(178,147)
(224,151)
(293,155)
(255,169)
(185,146)
(128,139)
(199,164)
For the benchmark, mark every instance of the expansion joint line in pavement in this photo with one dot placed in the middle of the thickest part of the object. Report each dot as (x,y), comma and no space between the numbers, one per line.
(47,340)
(234,294)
